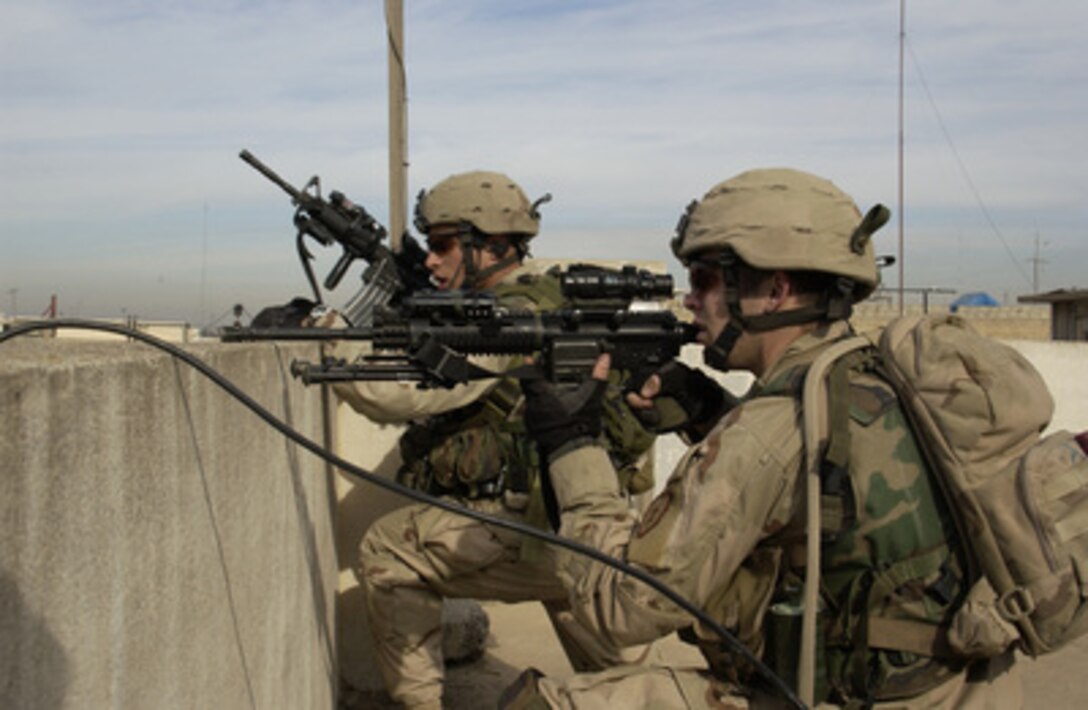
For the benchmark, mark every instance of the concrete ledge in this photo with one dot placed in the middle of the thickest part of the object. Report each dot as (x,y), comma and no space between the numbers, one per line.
(1001,322)
(163,547)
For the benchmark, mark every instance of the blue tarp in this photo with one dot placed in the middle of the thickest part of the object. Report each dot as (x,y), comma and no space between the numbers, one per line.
(977,298)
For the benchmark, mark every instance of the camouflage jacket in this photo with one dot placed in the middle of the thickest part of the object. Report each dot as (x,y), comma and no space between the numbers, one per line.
(727,534)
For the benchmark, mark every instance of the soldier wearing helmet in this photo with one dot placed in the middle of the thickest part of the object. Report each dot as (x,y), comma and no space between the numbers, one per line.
(468,443)
(478,226)
(776,260)
(765,222)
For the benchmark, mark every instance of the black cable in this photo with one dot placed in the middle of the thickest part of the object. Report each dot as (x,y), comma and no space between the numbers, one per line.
(657,585)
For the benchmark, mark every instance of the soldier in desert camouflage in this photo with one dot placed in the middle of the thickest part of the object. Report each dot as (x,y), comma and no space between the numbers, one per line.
(776,258)
(468,443)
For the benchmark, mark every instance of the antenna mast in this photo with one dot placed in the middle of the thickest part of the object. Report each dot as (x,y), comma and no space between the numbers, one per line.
(1036,261)
(902,39)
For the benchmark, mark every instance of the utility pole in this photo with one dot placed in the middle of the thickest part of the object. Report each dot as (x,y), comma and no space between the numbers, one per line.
(14,292)
(1035,262)
(203,317)
(398,124)
(902,41)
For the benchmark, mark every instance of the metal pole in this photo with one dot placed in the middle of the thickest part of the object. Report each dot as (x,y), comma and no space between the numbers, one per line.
(202,318)
(398,123)
(1036,261)
(902,40)
(1035,267)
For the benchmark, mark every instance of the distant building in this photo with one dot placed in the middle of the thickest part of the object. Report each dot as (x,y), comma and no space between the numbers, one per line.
(1068,312)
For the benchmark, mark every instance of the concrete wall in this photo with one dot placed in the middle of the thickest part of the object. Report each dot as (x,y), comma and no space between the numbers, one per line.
(1064,367)
(1023,322)
(374,448)
(162,546)
(168,330)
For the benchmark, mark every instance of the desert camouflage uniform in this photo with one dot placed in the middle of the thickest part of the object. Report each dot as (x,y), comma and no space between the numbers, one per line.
(412,558)
(727,534)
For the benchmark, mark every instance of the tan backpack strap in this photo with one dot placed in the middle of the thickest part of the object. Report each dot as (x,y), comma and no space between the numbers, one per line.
(915,637)
(814,404)
(503,400)
(838,415)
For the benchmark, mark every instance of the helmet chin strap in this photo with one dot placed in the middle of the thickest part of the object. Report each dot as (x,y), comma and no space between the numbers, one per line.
(832,306)
(474,276)
(716,354)
(468,260)
(460,269)
(483,274)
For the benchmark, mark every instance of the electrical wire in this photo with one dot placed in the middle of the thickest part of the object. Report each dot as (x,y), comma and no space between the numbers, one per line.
(963,169)
(318,450)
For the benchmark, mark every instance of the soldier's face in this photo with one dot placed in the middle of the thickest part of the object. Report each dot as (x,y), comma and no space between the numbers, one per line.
(706,299)
(446,260)
(444,257)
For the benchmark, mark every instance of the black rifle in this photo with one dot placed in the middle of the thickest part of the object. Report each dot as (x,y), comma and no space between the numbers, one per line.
(388,276)
(429,338)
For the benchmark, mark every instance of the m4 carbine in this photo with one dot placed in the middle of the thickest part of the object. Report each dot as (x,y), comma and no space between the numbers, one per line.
(430,337)
(388,277)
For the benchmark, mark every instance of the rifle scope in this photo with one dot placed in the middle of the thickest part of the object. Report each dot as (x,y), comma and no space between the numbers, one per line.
(627,284)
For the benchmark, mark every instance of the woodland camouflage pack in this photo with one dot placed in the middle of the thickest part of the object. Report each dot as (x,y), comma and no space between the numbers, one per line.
(979,410)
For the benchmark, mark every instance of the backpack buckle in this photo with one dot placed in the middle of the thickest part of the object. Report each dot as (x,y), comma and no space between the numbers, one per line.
(1016,604)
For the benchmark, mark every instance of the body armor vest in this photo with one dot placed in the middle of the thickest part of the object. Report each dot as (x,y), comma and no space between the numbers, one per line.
(483,450)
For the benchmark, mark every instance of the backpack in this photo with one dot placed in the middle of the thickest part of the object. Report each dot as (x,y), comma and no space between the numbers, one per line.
(978,409)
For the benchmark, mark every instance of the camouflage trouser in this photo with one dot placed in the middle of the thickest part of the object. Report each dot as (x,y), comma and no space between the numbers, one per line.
(413,557)
(993,685)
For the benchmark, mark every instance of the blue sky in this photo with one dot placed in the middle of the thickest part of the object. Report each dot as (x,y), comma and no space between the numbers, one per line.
(122,121)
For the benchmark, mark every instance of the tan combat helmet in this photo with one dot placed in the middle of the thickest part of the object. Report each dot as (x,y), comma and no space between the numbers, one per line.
(482,204)
(779,218)
(782,219)
(491,202)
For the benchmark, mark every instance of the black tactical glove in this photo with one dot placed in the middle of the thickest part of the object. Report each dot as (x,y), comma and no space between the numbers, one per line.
(688,402)
(559,417)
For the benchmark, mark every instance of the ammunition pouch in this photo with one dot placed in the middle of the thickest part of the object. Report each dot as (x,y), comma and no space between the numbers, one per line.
(478,451)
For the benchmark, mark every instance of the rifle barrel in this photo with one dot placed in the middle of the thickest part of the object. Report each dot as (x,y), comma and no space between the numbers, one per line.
(270,174)
(244,334)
